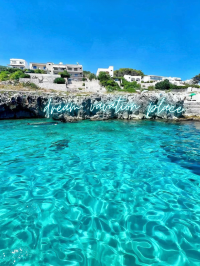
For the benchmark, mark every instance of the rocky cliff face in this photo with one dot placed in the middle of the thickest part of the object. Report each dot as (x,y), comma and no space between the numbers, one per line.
(95,107)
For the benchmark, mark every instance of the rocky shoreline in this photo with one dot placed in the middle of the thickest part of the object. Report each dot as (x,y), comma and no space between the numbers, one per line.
(16,105)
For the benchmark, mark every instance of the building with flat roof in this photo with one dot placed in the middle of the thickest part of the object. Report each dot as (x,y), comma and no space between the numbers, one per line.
(75,71)
(109,70)
(41,66)
(18,63)
(154,78)
(133,78)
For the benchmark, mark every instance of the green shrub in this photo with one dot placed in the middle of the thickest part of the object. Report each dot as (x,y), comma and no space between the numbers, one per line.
(40,71)
(83,84)
(130,86)
(4,75)
(16,75)
(12,70)
(84,79)
(151,88)
(25,76)
(64,74)
(59,81)
(29,71)
(163,85)
(30,84)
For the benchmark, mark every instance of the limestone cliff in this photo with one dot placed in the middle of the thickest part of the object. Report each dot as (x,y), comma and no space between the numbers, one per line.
(29,105)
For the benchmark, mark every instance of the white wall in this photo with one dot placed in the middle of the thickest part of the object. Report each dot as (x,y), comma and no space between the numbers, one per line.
(16,63)
(133,78)
(110,70)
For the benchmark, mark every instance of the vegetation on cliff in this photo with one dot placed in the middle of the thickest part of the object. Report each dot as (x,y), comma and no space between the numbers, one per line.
(128,71)
(59,81)
(111,85)
(166,85)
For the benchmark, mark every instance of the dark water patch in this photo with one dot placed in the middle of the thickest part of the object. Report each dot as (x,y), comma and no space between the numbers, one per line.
(186,157)
(60,144)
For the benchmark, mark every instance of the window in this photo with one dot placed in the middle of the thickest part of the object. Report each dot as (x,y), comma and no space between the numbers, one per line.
(75,69)
(155,78)
(21,63)
(13,62)
(21,67)
(75,75)
(34,67)
(69,68)
(44,67)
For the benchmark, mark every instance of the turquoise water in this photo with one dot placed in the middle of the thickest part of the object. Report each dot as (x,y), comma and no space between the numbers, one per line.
(99,193)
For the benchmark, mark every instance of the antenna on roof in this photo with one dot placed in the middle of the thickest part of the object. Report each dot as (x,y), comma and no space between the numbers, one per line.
(77,63)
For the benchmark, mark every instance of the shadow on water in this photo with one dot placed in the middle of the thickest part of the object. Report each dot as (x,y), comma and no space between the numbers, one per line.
(186,158)
(60,144)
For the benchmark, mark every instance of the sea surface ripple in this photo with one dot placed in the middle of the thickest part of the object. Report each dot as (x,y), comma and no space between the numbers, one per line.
(104,193)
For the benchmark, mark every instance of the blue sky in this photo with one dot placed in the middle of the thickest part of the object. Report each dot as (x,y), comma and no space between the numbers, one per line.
(157,37)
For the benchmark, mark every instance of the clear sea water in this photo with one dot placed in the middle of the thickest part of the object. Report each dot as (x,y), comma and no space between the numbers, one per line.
(107,193)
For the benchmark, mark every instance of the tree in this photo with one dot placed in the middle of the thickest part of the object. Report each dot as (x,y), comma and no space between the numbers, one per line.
(86,73)
(108,82)
(103,76)
(130,86)
(196,79)
(64,74)
(128,71)
(92,76)
(163,85)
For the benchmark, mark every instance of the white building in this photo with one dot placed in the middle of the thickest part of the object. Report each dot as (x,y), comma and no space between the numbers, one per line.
(189,81)
(109,70)
(18,63)
(41,66)
(75,71)
(175,81)
(133,78)
(154,78)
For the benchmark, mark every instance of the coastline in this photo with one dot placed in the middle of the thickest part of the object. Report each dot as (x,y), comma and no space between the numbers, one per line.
(32,104)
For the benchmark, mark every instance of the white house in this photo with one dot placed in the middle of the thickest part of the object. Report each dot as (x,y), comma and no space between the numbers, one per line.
(109,70)
(18,63)
(41,66)
(154,78)
(189,81)
(133,78)
(175,81)
(75,71)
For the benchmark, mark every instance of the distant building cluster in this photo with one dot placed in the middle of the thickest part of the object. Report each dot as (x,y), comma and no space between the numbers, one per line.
(139,79)
(75,71)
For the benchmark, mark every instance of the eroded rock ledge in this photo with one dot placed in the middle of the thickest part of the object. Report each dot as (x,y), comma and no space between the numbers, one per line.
(31,105)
